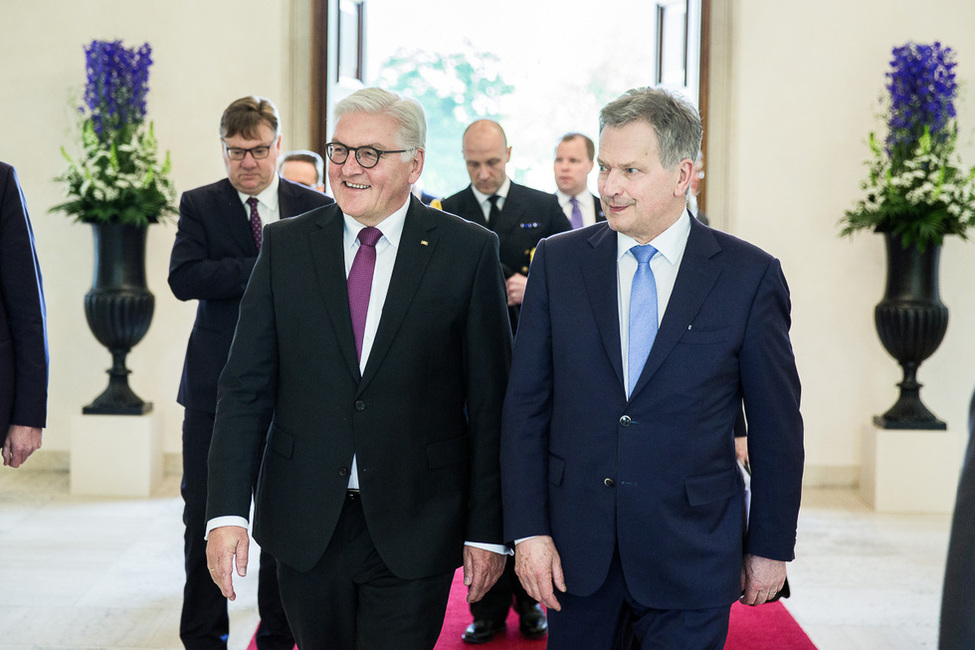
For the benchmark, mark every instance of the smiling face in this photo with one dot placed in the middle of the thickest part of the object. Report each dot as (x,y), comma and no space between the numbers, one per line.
(252,176)
(572,166)
(641,198)
(371,195)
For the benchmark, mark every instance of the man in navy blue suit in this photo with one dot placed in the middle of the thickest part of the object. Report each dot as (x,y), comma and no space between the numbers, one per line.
(219,235)
(619,477)
(23,330)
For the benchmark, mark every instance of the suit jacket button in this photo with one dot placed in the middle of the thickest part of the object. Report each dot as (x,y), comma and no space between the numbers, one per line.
(625,420)
(360,405)
(609,482)
(343,471)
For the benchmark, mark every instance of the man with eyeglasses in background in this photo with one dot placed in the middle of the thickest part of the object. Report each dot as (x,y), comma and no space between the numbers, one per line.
(374,342)
(217,243)
(304,167)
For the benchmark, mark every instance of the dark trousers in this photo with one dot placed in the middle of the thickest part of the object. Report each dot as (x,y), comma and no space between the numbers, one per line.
(507,591)
(611,619)
(204,623)
(350,600)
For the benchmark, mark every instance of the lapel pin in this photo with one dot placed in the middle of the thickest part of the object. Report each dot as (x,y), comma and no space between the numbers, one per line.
(424,242)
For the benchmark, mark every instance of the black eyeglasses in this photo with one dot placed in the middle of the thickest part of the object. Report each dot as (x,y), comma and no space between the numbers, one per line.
(257,153)
(367,157)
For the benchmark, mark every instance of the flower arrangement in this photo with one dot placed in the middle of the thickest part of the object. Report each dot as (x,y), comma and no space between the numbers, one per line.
(916,187)
(117,178)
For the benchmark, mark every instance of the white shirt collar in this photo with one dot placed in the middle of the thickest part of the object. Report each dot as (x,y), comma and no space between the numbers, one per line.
(391,226)
(502,191)
(670,243)
(268,196)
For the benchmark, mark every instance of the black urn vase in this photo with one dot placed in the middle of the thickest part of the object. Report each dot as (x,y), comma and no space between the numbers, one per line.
(911,321)
(119,309)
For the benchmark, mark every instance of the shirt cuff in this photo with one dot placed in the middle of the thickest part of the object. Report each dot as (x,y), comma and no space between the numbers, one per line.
(227,520)
(500,549)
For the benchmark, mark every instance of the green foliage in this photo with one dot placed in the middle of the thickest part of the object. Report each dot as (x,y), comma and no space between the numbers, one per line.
(454,89)
(122,182)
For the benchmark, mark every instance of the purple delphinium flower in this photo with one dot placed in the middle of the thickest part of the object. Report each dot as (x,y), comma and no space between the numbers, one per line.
(922,91)
(118,80)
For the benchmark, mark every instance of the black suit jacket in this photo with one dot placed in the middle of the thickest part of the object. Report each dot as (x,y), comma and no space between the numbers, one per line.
(527,217)
(23,333)
(423,419)
(211,261)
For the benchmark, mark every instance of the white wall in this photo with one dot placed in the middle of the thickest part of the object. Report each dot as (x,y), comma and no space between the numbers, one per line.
(793,98)
(206,55)
(797,94)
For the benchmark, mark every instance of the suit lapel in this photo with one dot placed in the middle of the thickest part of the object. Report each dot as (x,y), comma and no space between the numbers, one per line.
(325,242)
(237,219)
(695,278)
(287,201)
(470,209)
(416,247)
(510,213)
(599,275)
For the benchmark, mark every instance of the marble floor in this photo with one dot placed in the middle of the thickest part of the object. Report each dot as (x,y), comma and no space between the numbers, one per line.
(86,572)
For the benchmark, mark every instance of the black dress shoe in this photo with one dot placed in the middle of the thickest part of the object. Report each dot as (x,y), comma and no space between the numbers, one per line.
(533,624)
(481,631)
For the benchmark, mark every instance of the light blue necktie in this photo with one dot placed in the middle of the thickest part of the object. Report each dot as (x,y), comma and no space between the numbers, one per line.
(643,314)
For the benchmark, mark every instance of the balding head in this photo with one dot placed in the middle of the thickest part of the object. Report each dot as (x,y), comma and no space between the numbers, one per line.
(486,153)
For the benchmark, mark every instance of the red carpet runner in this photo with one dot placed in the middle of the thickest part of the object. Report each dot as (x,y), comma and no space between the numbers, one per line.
(768,627)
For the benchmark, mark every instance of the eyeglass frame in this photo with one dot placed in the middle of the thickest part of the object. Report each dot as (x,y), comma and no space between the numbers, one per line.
(250,151)
(355,151)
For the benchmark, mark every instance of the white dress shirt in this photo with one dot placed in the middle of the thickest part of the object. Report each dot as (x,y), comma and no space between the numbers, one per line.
(670,245)
(482,199)
(267,203)
(587,205)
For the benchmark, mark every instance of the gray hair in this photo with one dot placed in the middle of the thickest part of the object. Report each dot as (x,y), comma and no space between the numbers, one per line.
(675,121)
(405,110)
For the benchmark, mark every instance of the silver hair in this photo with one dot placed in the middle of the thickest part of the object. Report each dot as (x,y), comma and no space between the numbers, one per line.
(406,111)
(675,121)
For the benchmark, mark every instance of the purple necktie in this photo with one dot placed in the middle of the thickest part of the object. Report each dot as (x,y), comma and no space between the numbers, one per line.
(576,213)
(255,222)
(360,283)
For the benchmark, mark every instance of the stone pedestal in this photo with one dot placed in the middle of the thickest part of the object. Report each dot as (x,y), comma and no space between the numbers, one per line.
(116,455)
(911,470)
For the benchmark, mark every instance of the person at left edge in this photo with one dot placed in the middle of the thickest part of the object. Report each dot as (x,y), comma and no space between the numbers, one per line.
(23,328)
(212,258)
(379,376)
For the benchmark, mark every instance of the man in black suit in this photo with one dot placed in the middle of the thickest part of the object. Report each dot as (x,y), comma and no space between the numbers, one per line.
(574,158)
(373,349)
(23,332)
(519,215)
(216,246)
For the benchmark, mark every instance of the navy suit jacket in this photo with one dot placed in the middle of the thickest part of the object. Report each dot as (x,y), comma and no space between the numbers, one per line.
(654,474)
(211,261)
(23,332)
(423,418)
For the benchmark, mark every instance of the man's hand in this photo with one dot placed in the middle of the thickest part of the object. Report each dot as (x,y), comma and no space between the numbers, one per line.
(21,442)
(761,579)
(516,288)
(482,568)
(539,567)
(227,546)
